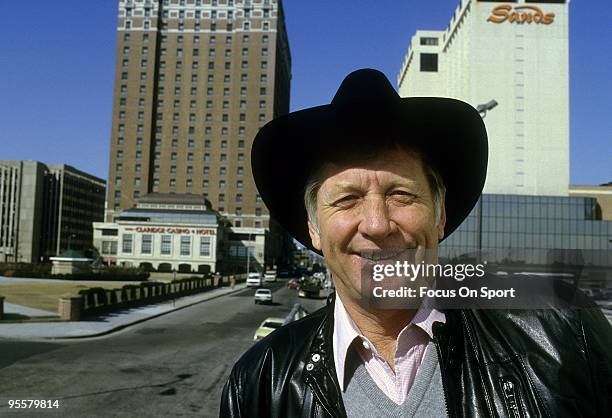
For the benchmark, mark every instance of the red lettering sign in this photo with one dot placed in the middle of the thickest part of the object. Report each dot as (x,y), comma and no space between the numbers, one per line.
(520,14)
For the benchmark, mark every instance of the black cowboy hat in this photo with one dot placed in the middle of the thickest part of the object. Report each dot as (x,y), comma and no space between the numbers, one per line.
(367,111)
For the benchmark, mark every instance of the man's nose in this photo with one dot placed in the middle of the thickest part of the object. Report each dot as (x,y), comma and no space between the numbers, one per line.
(376,222)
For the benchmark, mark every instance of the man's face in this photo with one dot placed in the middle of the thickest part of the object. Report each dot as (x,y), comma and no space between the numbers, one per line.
(379,206)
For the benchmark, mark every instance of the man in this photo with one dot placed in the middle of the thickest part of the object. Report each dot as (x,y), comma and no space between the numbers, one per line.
(361,181)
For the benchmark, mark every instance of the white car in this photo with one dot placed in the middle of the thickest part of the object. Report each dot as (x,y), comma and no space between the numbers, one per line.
(263,296)
(253,280)
(270,276)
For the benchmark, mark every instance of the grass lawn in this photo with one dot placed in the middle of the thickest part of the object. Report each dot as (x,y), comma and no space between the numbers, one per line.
(46,295)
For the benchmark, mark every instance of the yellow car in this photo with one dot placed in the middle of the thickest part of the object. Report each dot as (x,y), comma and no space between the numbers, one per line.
(267,326)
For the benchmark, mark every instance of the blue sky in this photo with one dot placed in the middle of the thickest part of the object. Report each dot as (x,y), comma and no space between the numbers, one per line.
(57,63)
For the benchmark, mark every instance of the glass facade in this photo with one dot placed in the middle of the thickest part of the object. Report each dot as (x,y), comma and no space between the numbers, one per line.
(531,228)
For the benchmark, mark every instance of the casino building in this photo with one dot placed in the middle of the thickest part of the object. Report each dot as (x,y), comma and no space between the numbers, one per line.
(515,53)
(162,232)
(509,60)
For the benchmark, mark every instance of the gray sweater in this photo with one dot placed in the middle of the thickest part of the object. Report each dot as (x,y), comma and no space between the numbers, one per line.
(363,398)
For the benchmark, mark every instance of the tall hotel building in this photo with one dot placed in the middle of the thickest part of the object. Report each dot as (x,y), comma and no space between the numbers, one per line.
(516,53)
(195,80)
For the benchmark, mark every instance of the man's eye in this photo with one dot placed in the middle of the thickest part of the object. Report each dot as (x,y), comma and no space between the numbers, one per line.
(403,195)
(346,201)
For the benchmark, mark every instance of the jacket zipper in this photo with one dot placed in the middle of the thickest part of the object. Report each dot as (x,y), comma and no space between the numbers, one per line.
(511,398)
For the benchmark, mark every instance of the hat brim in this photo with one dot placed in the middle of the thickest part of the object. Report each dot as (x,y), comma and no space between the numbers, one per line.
(449,133)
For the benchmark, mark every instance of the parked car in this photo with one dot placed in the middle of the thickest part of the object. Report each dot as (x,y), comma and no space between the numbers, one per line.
(293,284)
(263,296)
(253,280)
(270,276)
(267,326)
(309,287)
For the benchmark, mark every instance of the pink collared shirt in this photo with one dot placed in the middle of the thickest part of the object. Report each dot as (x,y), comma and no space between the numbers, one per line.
(412,343)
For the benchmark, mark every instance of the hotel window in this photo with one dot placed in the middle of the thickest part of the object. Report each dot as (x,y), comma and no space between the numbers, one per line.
(196,52)
(222,171)
(241,143)
(147,244)
(204,246)
(174,143)
(240,170)
(227,65)
(119,167)
(243,91)
(204,183)
(145,50)
(195,65)
(240,157)
(126,37)
(120,140)
(137,182)
(429,62)
(172,169)
(166,245)
(224,132)
(221,184)
(156,169)
(264,78)
(258,199)
(221,197)
(173,156)
(266,26)
(264,39)
(228,53)
(223,157)
(124,76)
(189,156)
(122,115)
(119,154)
(239,197)
(247,25)
(208,117)
(141,115)
(206,170)
(127,243)
(257,211)
(225,104)
(144,63)
(190,143)
(138,155)
(264,65)
(244,65)
(238,211)
(262,91)
(206,157)
(239,184)
(262,104)
(189,170)
(172,183)
(185,245)
(188,183)
(264,52)
(138,168)
(194,78)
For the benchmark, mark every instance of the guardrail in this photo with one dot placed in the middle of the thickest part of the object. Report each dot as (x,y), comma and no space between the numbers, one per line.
(98,300)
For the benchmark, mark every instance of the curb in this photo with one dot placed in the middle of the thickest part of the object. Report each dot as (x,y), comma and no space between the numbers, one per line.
(137,321)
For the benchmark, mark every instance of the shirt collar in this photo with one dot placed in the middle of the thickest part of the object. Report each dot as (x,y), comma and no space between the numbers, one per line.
(345,331)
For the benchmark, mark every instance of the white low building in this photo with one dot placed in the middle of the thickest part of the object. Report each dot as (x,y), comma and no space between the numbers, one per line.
(164,232)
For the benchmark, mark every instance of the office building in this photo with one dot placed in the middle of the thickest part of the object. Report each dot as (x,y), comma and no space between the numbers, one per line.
(194,82)
(46,209)
(515,53)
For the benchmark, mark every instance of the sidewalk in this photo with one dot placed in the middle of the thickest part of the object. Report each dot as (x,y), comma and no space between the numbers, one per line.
(107,323)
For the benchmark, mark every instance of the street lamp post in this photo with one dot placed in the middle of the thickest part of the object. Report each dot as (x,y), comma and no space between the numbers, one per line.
(482,109)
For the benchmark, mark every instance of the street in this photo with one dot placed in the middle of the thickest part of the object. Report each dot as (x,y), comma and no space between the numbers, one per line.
(173,365)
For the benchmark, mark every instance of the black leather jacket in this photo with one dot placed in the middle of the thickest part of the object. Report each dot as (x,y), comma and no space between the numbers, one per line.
(494,363)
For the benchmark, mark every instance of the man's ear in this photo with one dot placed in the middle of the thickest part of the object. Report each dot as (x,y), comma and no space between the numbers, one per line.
(442,222)
(314,236)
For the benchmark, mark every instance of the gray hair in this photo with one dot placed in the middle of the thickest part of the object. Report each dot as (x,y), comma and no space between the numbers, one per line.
(315,180)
